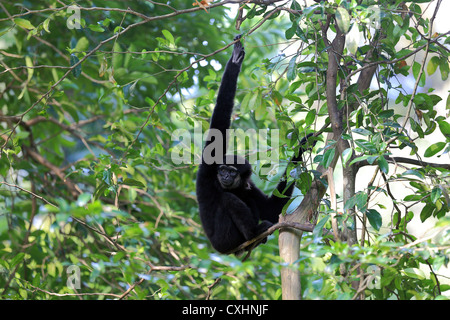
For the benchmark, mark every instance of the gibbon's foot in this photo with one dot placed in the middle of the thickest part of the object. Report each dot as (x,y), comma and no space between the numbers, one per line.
(238,52)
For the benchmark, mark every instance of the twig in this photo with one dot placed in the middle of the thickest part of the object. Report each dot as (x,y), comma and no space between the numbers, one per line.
(285,224)
(103,234)
(408,161)
(152,268)
(210,287)
(74,189)
(28,191)
(72,294)
(375,63)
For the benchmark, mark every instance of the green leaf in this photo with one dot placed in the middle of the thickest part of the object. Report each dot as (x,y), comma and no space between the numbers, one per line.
(309,11)
(362,131)
(343,19)
(45,25)
(346,155)
(277,193)
(443,66)
(260,108)
(82,45)
(293,98)
(435,194)
(386,113)
(444,126)
(432,65)
(106,22)
(30,70)
(304,182)
(383,164)
(328,157)
(244,108)
(168,36)
(106,176)
(292,69)
(413,197)
(255,100)
(414,172)
(433,149)
(361,200)
(83,199)
(350,203)
(117,62)
(414,273)
(416,71)
(96,28)
(133,183)
(426,212)
(310,117)
(295,6)
(366,145)
(73,61)
(24,23)
(289,33)
(362,158)
(318,229)
(18,258)
(374,218)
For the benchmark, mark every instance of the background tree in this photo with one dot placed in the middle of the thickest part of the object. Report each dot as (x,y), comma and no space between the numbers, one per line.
(90,96)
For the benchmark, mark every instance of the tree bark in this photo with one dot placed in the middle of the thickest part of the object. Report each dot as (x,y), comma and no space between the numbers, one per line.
(289,241)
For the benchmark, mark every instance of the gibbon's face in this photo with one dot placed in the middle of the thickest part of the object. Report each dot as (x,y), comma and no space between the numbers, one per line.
(229,177)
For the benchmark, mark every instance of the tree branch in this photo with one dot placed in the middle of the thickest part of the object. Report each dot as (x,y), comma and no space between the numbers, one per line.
(73,188)
(27,191)
(408,161)
(285,224)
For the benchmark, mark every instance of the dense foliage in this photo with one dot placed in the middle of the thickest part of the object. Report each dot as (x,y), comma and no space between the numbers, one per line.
(88,181)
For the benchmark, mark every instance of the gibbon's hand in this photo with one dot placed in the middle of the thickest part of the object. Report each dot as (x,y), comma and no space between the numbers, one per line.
(238,52)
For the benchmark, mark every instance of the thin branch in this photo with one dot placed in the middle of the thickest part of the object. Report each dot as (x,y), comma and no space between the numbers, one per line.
(376,63)
(408,161)
(285,224)
(210,287)
(72,294)
(103,234)
(28,191)
(73,188)
(152,268)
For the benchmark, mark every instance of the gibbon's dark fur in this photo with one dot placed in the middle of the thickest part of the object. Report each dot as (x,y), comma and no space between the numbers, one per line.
(232,209)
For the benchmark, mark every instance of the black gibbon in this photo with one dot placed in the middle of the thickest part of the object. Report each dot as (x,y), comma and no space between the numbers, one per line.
(232,209)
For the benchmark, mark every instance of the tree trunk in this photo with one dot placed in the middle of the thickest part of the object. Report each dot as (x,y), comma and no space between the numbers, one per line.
(290,275)
(289,242)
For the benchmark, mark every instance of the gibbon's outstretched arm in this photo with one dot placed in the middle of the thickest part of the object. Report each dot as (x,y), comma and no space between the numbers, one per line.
(221,117)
